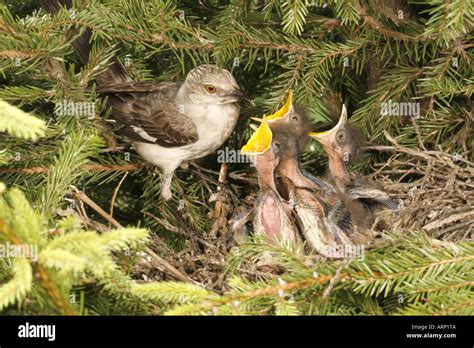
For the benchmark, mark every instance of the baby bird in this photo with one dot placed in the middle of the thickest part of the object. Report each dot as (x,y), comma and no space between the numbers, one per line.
(272,216)
(315,211)
(343,145)
(312,210)
(292,119)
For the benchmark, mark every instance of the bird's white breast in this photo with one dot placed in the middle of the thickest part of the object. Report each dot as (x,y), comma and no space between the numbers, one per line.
(214,124)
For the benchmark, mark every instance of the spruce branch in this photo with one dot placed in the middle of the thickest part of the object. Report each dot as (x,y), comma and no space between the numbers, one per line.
(20,124)
(86,167)
(159,261)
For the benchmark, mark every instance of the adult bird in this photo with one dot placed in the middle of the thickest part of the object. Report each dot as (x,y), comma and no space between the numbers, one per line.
(168,122)
(272,214)
(171,123)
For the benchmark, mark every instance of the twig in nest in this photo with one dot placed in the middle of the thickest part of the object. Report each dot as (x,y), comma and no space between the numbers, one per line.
(218,214)
(337,277)
(222,179)
(166,225)
(439,199)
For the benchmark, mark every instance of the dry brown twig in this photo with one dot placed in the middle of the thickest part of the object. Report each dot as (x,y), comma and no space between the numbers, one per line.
(436,189)
(156,259)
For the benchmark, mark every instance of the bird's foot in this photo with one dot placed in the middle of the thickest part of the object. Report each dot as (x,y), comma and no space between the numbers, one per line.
(166,193)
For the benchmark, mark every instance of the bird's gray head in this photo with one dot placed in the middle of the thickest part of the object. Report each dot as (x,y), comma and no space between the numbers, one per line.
(343,141)
(208,84)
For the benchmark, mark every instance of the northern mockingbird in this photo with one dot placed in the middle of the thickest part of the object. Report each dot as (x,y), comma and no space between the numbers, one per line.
(169,123)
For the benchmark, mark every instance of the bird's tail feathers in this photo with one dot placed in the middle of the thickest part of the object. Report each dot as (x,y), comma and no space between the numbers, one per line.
(116,73)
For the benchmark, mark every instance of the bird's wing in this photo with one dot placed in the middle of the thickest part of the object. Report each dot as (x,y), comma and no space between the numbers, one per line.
(160,87)
(340,215)
(149,113)
(326,186)
(373,194)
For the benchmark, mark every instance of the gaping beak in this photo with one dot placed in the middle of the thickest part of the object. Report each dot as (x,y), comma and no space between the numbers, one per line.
(260,141)
(281,113)
(284,110)
(242,96)
(323,137)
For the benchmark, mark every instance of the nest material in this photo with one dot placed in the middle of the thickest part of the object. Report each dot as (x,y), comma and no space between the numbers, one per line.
(435,190)
(203,259)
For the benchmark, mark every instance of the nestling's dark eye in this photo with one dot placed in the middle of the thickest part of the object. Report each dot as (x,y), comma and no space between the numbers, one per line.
(210,88)
(341,136)
(277,147)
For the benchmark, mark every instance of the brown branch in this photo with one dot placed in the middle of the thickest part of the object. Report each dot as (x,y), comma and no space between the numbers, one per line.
(336,278)
(22,54)
(445,311)
(114,196)
(216,214)
(51,288)
(90,167)
(271,290)
(374,24)
(40,273)
(159,262)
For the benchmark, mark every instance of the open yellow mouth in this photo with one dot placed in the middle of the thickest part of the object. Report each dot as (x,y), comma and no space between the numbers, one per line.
(284,109)
(340,124)
(318,135)
(260,141)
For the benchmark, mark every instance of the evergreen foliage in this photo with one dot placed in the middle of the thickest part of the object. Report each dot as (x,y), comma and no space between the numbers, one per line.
(361,52)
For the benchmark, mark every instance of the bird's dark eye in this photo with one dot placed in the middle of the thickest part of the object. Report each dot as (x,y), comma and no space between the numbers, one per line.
(210,88)
(341,136)
(277,147)
(295,117)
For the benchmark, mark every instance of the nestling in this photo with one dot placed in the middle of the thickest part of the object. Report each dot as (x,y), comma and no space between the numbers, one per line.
(272,214)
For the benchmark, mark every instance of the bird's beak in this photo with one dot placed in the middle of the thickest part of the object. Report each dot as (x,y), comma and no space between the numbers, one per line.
(284,110)
(323,137)
(260,141)
(242,96)
(319,136)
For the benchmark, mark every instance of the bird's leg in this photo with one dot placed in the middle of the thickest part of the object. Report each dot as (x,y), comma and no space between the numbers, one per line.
(220,210)
(166,184)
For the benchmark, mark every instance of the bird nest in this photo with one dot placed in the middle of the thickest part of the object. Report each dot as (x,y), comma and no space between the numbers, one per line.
(434,190)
